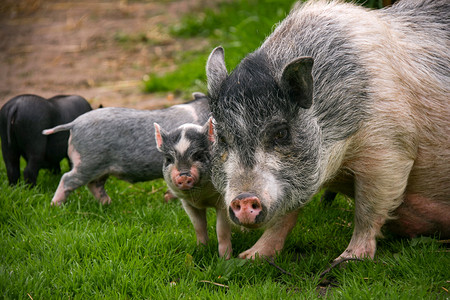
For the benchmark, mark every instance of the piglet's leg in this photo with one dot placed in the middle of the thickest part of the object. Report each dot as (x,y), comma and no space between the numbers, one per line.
(198,219)
(169,196)
(64,189)
(223,229)
(97,188)
(70,180)
(272,240)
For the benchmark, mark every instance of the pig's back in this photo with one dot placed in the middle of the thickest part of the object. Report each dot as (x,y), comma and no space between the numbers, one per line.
(387,68)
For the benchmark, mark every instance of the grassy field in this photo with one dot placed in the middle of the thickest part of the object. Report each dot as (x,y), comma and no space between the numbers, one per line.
(239,26)
(142,248)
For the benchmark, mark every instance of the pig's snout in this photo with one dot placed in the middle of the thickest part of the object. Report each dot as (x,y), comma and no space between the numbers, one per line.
(246,209)
(184,181)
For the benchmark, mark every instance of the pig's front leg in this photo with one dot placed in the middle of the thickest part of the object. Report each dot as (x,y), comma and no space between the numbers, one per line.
(379,190)
(223,229)
(273,238)
(198,219)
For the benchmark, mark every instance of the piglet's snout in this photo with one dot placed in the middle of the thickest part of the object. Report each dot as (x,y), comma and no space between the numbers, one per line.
(246,209)
(184,181)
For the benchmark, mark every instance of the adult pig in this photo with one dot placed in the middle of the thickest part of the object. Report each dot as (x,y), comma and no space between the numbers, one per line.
(187,169)
(344,98)
(22,120)
(120,142)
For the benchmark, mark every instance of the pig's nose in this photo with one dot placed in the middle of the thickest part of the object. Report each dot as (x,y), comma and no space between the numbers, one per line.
(184,181)
(246,209)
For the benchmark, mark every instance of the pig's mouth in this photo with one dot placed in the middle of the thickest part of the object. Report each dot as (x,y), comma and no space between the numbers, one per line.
(185,187)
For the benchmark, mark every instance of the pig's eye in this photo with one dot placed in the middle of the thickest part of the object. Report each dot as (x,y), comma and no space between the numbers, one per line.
(169,159)
(222,139)
(281,136)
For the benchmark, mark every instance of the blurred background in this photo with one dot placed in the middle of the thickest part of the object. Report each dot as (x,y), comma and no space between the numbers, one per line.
(135,53)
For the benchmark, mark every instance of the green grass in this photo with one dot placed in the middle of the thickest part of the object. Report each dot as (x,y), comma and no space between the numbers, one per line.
(142,248)
(239,26)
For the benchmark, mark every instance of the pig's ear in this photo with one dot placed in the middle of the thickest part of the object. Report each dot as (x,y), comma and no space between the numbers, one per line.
(159,134)
(216,71)
(208,129)
(297,81)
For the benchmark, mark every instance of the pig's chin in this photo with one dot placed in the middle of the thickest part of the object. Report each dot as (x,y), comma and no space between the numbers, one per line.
(261,223)
(248,225)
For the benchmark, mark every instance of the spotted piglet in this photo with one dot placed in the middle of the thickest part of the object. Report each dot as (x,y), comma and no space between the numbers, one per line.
(186,171)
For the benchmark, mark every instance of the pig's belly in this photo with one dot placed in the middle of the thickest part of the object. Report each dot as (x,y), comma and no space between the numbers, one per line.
(419,215)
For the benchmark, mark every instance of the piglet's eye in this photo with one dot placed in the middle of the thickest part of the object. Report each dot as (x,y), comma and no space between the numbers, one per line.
(169,159)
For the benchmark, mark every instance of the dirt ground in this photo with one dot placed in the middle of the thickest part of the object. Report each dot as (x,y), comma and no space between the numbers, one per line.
(100,50)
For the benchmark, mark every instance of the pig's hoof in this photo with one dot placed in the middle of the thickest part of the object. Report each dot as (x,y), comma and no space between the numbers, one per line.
(364,250)
(227,255)
(246,255)
(255,254)
(55,203)
(225,252)
(342,262)
(105,201)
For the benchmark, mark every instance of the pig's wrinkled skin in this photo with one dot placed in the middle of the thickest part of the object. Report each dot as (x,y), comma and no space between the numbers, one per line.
(120,142)
(344,98)
(22,120)
(187,173)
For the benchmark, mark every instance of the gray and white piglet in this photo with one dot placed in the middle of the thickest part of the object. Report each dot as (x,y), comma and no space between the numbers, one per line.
(119,142)
(186,169)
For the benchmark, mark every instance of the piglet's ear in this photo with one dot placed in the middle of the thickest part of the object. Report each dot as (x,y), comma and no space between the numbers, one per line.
(159,133)
(216,71)
(198,95)
(208,129)
(297,81)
